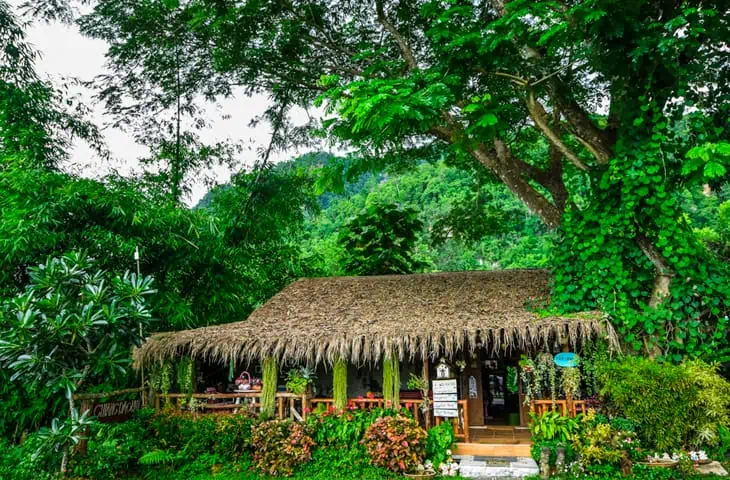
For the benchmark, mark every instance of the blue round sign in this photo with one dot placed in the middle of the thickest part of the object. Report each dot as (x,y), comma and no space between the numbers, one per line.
(566,359)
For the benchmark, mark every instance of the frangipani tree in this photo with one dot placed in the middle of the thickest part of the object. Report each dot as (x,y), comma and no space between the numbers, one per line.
(74,326)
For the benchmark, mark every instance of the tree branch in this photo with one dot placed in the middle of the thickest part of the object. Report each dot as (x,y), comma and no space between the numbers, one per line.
(540,117)
(405,49)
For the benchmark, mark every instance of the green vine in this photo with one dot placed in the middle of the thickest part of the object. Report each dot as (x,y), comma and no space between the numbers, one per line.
(570,381)
(546,375)
(512,384)
(186,376)
(601,265)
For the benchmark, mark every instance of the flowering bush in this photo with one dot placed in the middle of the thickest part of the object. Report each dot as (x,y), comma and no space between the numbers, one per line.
(280,446)
(396,443)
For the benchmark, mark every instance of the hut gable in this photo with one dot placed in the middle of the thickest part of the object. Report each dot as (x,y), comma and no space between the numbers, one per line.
(363,318)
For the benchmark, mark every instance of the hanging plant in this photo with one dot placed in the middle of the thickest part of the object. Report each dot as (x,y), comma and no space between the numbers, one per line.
(527,374)
(512,385)
(570,381)
(186,376)
(270,380)
(339,384)
(391,381)
(547,375)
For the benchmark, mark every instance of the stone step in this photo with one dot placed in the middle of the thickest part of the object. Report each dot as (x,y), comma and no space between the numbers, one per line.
(495,467)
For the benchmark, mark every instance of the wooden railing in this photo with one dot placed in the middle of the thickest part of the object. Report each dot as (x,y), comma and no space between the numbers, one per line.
(566,408)
(460,423)
(288,405)
(413,406)
(297,407)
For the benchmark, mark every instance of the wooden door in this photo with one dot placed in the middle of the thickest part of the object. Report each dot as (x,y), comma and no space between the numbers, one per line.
(472,388)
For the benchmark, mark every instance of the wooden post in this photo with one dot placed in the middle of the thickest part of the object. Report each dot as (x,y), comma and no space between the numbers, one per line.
(466,422)
(291,407)
(427,379)
(281,408)
(305,403)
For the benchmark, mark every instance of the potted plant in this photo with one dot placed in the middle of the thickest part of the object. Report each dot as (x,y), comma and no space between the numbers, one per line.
(298,380)
(423,471)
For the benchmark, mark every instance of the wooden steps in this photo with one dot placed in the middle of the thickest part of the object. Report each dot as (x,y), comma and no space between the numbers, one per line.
(492,449)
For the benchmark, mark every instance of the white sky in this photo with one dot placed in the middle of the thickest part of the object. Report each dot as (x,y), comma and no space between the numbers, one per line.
(66,53)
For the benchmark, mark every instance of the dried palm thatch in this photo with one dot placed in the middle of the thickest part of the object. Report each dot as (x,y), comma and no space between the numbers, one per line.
(360,319)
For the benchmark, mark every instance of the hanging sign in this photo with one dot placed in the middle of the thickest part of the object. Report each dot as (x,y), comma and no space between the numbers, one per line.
(445,400)
(566,359)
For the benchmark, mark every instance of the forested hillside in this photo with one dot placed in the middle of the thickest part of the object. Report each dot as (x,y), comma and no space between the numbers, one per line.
(470,222)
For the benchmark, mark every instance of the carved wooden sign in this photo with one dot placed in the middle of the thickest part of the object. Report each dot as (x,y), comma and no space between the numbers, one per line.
(115,411)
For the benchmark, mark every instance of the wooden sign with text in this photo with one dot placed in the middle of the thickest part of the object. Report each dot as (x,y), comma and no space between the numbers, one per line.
(445,399)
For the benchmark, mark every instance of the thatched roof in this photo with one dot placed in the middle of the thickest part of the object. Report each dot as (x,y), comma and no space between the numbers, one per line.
(360,318)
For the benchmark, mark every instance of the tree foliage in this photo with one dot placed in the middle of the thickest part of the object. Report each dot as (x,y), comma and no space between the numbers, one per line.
(37,120)
(595,115)
(381,239)
(74,325)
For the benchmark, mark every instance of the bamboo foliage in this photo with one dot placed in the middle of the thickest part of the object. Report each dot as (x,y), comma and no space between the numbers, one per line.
(339,384)
(268,392)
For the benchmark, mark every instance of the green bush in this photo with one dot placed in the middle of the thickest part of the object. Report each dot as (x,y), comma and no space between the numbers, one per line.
(440,439)
(333,428)
(342,463)
(674,406)
(552,426)
(280,446)
(20,462)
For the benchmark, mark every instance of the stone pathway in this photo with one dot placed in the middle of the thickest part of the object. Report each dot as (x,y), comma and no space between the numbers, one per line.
(494,468)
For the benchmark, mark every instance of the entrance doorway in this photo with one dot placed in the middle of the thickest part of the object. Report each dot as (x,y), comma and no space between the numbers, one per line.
(501,400)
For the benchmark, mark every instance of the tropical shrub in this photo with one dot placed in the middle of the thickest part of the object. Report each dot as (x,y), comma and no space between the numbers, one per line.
(552,426)
(602,443)
(342,463)
(343,428)
(440,439)
(674,406)
(280,446)
(396,443)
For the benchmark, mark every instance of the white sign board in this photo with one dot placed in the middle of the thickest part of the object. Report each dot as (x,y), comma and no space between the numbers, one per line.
(444,386)
(442,412)
(444,397)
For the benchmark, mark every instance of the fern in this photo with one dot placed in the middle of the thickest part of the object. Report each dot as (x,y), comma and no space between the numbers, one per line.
(157,457)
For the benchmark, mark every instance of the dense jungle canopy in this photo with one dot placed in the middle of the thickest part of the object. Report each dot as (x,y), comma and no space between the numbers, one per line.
(588,136)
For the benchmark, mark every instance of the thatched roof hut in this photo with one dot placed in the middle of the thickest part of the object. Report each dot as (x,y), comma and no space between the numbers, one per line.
(360,318)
